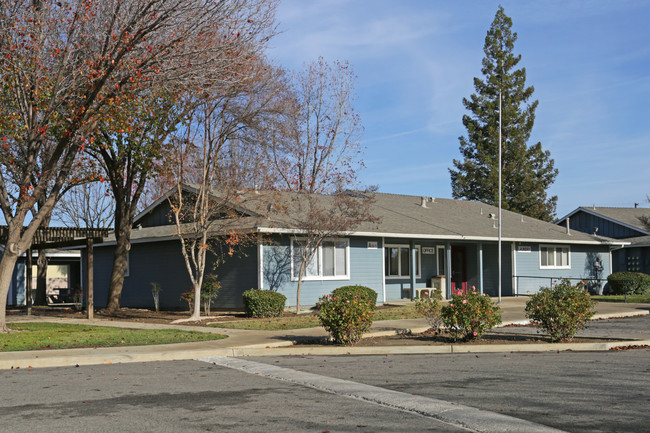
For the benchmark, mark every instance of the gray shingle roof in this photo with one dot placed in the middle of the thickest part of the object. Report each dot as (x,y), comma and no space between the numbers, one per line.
(402,216)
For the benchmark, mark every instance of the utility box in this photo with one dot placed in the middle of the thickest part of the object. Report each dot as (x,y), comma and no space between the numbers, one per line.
(440,282)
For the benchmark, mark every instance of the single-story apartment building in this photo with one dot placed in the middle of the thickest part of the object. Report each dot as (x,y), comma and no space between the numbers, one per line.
(414,243)
(624,223)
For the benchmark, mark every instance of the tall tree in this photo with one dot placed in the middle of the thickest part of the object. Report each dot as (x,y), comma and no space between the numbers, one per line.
(128,155)
(527,170)
(64,64)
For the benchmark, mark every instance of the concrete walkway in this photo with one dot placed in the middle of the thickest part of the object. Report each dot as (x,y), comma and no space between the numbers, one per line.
(258,343)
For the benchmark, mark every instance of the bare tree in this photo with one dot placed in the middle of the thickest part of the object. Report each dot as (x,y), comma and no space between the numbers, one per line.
(87,205)
(63,65)
(316,151)
(216,137)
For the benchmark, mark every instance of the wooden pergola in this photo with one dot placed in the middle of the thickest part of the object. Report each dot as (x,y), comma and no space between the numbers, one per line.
(62,237)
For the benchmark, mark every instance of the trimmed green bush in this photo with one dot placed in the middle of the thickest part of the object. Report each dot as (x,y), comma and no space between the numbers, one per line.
(263,303)
(363,291)
(345,315)
(632,283)
(470,315)
(561,311)
(429,308)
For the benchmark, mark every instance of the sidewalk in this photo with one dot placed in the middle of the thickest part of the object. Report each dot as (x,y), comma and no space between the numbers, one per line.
(259,343)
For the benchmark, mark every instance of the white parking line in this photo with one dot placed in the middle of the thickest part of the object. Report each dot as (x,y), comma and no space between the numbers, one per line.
(458,415)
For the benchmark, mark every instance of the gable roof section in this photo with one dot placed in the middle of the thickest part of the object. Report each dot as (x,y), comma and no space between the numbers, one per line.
(624,216)
(193,189)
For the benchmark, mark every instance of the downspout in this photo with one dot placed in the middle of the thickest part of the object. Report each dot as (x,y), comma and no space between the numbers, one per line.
(515,288)
(448,270)
(383,269)
(413,268)
(480,267)
(260,263)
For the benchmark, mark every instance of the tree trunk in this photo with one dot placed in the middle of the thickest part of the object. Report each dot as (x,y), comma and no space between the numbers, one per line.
(7,264)
(120,260)
(302,268)
(196,315)
(41,279)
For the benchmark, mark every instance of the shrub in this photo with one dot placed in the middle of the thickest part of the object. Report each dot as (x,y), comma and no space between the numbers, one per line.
(429,307)
(469,315)
(345,315)
(189,298)
(562,310)
(209,291)
(264,303)
(632,283)
(363,292)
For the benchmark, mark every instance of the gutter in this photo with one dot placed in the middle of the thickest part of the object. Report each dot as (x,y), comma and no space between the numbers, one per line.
(276,230)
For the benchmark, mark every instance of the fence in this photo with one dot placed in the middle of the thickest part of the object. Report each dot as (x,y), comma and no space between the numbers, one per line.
(527,285)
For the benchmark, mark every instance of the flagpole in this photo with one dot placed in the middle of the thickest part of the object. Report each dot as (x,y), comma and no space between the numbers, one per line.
(499,281)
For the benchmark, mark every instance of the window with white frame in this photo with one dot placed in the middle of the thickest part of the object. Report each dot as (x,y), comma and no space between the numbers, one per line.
(397,261)
(330,261)
(554,257)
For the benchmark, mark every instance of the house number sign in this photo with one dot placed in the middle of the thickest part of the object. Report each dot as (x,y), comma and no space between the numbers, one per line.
(428,250)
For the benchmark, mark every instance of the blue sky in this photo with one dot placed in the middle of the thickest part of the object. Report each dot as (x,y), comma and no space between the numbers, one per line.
(589,62)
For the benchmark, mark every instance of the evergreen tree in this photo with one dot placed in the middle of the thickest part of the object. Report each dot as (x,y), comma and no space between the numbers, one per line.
(527,171)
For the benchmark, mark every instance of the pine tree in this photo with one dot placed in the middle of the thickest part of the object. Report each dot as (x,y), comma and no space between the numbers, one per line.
(527,171)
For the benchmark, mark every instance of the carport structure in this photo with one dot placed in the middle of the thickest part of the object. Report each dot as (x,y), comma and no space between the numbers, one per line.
(62,237)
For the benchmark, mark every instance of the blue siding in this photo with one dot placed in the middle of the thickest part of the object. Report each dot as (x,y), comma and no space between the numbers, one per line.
(633,259)
(159,216)
(491,272)
(585,222)
(162,262)
(365,269)
(583,257)
(400,288)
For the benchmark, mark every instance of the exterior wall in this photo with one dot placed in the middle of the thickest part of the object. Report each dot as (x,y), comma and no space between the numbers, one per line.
(400,288)
(585,222)
(365,269)
(162,262)
(633,259)
(491,269)
(530,277)
(158,216)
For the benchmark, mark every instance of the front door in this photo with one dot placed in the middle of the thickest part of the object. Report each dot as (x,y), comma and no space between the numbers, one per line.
(458,270)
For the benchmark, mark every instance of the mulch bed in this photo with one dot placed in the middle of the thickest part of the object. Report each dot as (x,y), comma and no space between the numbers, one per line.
(431,338)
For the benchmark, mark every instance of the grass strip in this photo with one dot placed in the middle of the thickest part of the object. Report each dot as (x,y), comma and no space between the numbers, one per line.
(42,336)
(311,320)
(639,299)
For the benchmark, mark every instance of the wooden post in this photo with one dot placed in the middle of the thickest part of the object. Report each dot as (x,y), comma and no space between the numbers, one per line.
(89,279)
(28,282)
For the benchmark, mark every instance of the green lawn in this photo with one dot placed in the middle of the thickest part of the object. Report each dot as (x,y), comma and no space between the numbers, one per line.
(36,336)
(641,299)
(311,320)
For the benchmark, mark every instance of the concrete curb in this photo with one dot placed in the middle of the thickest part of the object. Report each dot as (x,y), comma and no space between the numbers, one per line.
(187,351)
(413,350)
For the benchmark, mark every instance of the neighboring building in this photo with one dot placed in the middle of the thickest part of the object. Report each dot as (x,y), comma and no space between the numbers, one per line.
(63,277)
(418,242)
(624,223)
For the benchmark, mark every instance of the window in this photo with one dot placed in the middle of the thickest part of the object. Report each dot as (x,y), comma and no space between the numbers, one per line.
(554,257)
(329,262)
(398,263)
(442,255)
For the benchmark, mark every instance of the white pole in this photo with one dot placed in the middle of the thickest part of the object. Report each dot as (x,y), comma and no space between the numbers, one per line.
(499,282)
